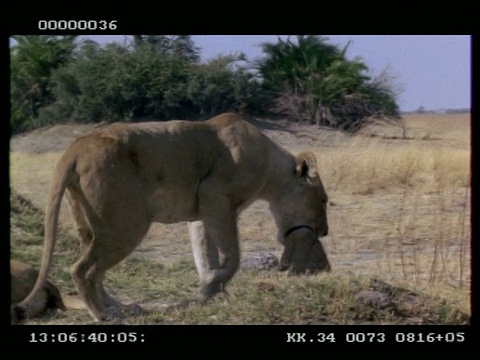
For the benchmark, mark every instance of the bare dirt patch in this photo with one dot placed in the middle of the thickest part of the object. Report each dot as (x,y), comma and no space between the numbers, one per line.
(51,138)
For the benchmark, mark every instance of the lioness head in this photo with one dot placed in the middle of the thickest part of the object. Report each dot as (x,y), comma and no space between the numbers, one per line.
(303,253)
(301,217)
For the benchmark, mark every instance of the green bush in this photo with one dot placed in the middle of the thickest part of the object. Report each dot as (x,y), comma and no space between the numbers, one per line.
(115,83)
(32,62)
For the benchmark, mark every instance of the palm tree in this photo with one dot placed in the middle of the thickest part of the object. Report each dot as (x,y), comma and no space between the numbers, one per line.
(313,80)
(294,70)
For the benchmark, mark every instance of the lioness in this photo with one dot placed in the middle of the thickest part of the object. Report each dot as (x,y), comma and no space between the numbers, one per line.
(22,279)
(121,178)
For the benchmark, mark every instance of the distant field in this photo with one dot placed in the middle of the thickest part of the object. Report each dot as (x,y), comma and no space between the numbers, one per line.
(399,211)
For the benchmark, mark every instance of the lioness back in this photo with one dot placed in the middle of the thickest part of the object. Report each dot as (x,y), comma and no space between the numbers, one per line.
(171,159)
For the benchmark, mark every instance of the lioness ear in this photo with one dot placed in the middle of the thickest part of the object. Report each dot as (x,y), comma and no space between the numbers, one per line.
(306,165)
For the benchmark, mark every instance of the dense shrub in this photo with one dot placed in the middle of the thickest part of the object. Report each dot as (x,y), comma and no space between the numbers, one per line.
(115,83)
(56,79)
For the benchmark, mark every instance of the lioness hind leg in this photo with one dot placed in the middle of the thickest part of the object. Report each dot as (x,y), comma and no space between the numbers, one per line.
(88,274)
(74,198)
(110,302)
(107,248)
(107,238)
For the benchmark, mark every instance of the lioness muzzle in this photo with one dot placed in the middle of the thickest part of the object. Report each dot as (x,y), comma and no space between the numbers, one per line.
(303,253)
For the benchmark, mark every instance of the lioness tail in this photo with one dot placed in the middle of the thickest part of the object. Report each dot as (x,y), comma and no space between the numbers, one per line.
(59,184)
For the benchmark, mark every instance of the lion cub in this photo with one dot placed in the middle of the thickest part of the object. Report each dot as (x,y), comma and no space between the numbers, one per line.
(22,279)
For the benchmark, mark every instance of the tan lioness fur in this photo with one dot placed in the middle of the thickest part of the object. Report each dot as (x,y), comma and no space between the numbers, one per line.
(22,279)
(121,178)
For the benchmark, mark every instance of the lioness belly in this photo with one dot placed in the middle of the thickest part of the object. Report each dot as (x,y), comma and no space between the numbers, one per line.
(171,204)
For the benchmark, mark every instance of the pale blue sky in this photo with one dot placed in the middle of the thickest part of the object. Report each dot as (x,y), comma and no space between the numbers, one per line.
(433,71)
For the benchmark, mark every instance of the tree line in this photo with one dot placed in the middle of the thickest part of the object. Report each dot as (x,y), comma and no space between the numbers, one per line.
(160,77)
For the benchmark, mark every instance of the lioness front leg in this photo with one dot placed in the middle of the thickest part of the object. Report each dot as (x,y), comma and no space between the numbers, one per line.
(205,253)
(216,234)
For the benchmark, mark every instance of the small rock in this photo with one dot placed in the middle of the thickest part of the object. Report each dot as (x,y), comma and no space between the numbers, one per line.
(374,298)
(260,260)
(382,286)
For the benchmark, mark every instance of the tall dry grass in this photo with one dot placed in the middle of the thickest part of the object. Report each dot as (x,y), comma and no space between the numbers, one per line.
(403,207)
(372,164)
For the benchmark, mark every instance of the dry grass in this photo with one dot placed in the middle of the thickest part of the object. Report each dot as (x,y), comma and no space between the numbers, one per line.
(402,207)
(400,210)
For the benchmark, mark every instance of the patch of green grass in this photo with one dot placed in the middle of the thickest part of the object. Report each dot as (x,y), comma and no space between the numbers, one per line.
(275,298)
